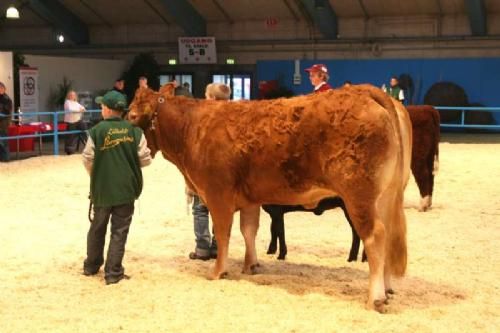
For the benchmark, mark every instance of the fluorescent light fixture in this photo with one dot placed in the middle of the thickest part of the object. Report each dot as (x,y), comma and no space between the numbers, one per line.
(230,61)
(12,12)
(172,61)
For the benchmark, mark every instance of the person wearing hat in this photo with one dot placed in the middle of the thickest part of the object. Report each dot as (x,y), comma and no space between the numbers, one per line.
(318,74)
(113,156)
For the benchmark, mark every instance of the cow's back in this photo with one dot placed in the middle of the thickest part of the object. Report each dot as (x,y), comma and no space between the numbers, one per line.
(296,145)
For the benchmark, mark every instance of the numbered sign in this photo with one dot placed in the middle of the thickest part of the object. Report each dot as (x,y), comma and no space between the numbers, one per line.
(197,50)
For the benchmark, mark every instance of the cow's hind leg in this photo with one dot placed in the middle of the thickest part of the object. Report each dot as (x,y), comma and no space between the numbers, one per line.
(372,231)
(249,224)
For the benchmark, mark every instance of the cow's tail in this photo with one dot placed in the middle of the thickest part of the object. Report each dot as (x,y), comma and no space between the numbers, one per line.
(437,138)
(396,247)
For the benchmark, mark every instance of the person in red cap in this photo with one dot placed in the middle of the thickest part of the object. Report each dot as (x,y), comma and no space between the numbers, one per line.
(318,74)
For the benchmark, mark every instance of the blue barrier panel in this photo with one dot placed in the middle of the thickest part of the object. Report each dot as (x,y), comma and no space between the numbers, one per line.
(464,109)
(54,131)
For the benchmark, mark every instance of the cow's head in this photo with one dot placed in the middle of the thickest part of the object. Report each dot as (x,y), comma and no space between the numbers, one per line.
(145,104)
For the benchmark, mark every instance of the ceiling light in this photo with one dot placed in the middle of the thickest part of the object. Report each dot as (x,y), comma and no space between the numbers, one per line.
(60,38)
(12,12)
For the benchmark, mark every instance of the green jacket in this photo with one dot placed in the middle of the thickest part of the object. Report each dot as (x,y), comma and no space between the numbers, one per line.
(394,92)
(116,176)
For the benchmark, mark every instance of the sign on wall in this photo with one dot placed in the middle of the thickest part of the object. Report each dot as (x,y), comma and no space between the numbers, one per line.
(197,50)
(28,89)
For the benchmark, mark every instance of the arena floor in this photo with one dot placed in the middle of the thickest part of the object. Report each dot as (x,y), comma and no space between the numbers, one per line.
(452,282)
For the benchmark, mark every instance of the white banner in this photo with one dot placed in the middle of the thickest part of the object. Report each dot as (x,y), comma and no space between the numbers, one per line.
(28,89)
(197,50)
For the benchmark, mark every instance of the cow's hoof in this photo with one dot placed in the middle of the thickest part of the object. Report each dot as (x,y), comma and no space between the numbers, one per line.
(425,203)
(282,257)
(390,291)
(217,276)
(379,305)
(252,269)
(272,249)
(352,258)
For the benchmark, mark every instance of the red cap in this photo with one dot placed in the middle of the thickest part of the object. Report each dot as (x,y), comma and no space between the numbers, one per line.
(317,68)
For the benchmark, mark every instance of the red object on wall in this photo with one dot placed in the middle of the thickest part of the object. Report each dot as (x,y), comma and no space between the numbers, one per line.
(271,22)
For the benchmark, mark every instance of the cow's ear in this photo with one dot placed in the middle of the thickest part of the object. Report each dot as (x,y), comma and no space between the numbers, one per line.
(168,89)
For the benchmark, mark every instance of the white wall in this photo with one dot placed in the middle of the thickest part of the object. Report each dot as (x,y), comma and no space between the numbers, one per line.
(86,74)
(6,73)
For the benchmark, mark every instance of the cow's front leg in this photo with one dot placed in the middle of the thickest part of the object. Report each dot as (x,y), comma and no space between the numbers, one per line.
(249,224)
(222,222)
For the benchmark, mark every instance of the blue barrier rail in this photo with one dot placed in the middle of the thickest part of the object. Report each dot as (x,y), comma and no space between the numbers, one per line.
(53,122)
(464,109)
(89,113)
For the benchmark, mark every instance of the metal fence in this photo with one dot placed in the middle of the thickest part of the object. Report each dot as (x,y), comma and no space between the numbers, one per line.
(48,129)
(90,115)
(464,109)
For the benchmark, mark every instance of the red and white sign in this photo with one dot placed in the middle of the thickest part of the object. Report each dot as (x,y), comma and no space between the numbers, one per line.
(197,50)
(28,89)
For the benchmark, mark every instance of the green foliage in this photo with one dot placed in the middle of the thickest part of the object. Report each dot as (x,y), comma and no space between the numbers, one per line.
(144,64)
(57,95)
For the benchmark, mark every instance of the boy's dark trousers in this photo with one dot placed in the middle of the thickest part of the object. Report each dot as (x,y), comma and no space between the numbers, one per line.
(121,217)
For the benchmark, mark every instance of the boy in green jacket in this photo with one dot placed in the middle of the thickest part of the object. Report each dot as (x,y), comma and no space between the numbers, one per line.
(113,156)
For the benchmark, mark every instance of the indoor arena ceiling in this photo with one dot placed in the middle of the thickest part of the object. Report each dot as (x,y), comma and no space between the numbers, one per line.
(194,17)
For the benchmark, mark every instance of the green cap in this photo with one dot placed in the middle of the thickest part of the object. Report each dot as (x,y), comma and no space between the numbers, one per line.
(113,100)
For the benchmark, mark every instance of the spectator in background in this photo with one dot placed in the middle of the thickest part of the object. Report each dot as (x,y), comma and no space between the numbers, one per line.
(74,118)
(143,82)
(318,74)
(206,246)
(394,90)
(182,90)
(5,118)
(119,85)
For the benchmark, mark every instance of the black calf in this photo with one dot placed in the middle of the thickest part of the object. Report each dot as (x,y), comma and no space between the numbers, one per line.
(277,213)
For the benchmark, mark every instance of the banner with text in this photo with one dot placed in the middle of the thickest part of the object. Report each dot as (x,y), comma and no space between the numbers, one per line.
(28,90)
(197,50)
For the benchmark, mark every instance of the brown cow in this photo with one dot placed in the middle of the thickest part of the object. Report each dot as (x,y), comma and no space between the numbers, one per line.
(425,150)
(240,155)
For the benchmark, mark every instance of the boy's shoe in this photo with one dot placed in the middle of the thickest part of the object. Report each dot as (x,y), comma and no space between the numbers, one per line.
(195,256)
(213,255)
(116,279)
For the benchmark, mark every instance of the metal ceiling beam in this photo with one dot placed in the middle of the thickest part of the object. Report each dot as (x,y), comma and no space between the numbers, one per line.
(292,11)
(477,16)
(62,18)
(223,11)
(363,8)
(99,16)
(186,16)
(157,12)
(324,16)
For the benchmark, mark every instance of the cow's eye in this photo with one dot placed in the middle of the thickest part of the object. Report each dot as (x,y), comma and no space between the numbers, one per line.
(161,99)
